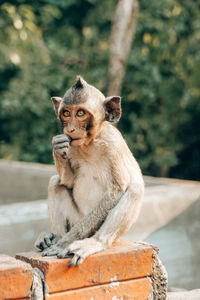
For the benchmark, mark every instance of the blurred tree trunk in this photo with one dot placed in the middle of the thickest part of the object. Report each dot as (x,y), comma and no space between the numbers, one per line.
(122,34)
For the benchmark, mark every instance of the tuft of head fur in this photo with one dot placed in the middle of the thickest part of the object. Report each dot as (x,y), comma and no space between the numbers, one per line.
(80,83)
(77,93)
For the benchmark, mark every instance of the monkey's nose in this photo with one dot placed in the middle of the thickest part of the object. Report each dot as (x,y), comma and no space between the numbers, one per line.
(71,130)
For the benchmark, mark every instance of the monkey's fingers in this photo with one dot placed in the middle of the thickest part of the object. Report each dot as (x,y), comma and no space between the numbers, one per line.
(77,259)
(41,246)
(61,146)
(44,240)
(53,250)
(82,249)
(54,240)
(64,253)
(61,138)
(50,240)
(47,241)
(49,252)
(76,249)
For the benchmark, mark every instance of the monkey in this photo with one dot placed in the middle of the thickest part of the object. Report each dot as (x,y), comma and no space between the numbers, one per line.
(97,194)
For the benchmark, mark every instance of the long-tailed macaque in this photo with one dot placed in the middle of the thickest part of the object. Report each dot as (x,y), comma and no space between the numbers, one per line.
(97,193)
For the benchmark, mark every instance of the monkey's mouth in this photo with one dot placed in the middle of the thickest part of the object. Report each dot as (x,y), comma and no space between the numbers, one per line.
(75,139)
(77,142)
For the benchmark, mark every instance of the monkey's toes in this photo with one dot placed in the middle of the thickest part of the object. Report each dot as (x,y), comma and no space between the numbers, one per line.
(63,253)
(45,240)
(77,260)
(50,251)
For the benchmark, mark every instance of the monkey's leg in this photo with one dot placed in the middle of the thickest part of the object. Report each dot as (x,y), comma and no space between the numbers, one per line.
(85,227)
(62,212)
(118,221)
(62,209)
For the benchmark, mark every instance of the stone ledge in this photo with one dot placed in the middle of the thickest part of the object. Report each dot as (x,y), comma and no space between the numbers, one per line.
(184,295)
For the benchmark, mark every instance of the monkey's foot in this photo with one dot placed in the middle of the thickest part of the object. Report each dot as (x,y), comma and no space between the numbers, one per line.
(53,250)
(81,250)
(45,240)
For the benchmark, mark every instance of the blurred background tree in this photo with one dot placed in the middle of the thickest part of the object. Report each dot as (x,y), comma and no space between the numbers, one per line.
(45,44)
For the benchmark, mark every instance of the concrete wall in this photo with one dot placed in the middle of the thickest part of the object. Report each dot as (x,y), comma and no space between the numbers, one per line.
(20,181)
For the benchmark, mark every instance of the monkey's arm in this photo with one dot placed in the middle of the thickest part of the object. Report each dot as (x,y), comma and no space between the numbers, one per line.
(61,144)
(122,216)
(66,177)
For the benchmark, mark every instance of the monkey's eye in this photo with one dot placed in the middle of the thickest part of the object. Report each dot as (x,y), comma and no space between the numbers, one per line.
(66,113)
(80,113)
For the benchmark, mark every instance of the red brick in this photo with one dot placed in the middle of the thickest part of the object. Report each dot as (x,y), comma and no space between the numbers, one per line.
(138,289)
(121,262)
(15,278)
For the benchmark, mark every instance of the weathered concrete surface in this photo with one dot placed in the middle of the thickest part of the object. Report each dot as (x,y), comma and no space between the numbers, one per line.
(188,295)
(179,244)
(164,200)
(20,181)
(20,224)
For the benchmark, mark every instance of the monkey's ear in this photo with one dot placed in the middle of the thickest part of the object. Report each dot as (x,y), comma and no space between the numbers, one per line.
(56,102)
(112,108)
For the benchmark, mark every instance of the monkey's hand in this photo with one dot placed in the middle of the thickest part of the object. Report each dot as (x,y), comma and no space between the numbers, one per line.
(53,250)
(61,144)
(81,249)
(58,247)
(45,240)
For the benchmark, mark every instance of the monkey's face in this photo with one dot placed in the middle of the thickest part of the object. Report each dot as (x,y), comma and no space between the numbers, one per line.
(82,111)
(76,123)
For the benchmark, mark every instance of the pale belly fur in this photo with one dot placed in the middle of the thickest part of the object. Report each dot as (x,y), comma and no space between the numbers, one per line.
(90,187)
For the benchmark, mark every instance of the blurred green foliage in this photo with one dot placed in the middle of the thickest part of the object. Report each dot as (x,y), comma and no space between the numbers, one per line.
(45,44)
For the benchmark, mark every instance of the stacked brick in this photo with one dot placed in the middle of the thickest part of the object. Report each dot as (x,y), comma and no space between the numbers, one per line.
(121,272)
(15,278)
